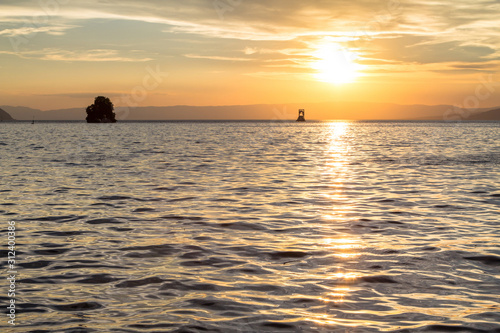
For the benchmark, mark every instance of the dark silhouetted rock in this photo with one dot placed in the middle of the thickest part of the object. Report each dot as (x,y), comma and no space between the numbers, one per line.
(101,111)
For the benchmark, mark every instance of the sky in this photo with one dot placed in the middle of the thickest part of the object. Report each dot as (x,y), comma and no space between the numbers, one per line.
(62,53)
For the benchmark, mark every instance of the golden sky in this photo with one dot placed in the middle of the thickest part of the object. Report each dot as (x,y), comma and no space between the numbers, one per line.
(63,53)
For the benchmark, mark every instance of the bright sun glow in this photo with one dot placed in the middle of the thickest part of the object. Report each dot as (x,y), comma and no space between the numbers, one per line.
(336,64)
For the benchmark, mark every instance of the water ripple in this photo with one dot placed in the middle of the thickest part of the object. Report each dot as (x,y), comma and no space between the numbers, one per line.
(254,226)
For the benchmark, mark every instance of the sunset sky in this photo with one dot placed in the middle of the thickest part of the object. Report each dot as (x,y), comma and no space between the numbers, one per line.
(63,53)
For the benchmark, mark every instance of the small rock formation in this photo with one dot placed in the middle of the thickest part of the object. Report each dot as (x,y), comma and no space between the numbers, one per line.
(302,113)
(101,111)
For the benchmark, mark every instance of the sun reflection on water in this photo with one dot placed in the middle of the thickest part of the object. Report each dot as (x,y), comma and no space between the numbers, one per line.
(346,248)
(338,146)
(335,171)
(337,295)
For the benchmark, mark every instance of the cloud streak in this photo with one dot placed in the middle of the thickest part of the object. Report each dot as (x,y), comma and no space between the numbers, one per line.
(31,30)
(97,55)
(219,58)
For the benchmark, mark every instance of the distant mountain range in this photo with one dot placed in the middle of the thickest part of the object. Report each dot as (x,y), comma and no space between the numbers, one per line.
(314,111)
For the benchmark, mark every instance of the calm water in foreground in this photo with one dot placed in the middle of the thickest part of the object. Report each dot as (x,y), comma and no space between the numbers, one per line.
(252,226)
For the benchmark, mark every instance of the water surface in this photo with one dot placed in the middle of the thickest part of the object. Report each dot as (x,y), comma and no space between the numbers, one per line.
(253,226)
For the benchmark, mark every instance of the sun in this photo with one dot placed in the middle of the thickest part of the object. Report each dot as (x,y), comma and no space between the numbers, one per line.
(335,64)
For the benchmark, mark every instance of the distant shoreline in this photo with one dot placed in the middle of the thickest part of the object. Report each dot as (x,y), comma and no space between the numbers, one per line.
(253,121)
(273,112)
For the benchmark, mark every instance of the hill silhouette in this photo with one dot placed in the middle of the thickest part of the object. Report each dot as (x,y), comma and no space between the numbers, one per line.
(4,116)
(488,115)
(24,113)
(315,111)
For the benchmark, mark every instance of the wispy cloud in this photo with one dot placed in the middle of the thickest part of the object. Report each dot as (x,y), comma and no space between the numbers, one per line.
(271,39)
(97,55)
(196,56)
(30,30)
(278,20)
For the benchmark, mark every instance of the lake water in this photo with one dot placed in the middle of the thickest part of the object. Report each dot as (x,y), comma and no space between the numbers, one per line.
(252,226)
